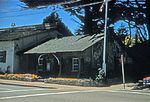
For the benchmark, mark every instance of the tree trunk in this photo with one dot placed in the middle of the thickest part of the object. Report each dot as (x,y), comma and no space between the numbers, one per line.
(147,17)
(88,21)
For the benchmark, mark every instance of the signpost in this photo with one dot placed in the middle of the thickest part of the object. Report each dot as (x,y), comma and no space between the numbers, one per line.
(123,76)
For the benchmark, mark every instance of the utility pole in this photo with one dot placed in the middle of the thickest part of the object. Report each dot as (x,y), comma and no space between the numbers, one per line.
(105,34)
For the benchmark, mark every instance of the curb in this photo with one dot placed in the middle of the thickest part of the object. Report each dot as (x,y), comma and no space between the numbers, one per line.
(28,85)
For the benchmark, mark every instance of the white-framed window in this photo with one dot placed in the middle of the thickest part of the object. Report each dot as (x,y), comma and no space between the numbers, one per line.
(2,56)
(75,64)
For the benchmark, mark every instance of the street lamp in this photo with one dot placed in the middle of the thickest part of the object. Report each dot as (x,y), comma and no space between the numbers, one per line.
(105,34)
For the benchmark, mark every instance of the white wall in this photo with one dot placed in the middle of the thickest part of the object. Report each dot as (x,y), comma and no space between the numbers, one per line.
(7,46)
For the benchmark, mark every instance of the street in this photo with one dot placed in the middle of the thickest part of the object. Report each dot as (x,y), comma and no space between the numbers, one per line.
(12,93)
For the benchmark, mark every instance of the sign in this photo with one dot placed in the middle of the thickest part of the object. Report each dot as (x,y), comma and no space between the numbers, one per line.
(123,75)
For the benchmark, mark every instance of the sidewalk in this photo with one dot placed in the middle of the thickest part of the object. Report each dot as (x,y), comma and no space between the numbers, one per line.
(56,86)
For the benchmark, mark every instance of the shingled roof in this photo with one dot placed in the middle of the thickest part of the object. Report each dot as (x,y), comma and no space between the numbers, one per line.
(67,44)
(9,34)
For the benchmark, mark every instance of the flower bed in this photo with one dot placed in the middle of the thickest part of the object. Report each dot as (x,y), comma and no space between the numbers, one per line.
(21,77)
(74,81)
(62,81)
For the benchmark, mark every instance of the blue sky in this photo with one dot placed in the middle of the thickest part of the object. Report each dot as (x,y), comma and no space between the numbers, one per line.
(134,30)
(10,12)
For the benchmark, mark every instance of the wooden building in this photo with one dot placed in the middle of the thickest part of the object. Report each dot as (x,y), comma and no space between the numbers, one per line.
(74,56)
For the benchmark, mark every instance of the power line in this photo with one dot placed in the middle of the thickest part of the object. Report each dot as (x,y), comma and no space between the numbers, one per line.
(13,11)
(41,7)
(80,6)
(77,7)
(63,3)
(19,15)
(16,10)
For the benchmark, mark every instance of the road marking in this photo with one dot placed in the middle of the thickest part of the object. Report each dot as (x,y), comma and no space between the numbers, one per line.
(21,90)
(15,86)
(5,89)
(71,92)
(45,94)
(129,92)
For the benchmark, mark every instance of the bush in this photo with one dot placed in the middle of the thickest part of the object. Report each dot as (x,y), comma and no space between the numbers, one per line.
(100,77)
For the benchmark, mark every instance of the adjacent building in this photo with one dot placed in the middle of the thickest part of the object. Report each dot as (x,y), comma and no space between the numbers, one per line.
(15,41)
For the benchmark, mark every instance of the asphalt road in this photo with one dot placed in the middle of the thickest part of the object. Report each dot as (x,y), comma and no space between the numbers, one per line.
(10,93)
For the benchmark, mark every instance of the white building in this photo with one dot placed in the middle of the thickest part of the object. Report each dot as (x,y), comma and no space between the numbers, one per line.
(6,56)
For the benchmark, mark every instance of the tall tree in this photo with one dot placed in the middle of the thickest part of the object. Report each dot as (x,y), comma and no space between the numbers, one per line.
(134,12)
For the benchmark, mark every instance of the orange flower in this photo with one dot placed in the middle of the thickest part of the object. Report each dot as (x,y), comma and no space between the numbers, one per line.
(20,75)
(63,78)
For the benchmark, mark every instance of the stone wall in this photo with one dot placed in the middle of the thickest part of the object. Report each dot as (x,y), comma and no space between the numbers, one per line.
(79,82)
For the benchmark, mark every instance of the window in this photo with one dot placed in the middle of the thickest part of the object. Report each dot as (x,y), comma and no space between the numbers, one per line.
(75,64)
(2,56)
(40,61)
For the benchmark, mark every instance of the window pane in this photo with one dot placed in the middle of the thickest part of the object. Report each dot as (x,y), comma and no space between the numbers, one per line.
(3,56)
(75,64)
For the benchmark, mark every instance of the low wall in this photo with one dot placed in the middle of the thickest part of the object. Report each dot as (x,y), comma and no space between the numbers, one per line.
(79,82)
